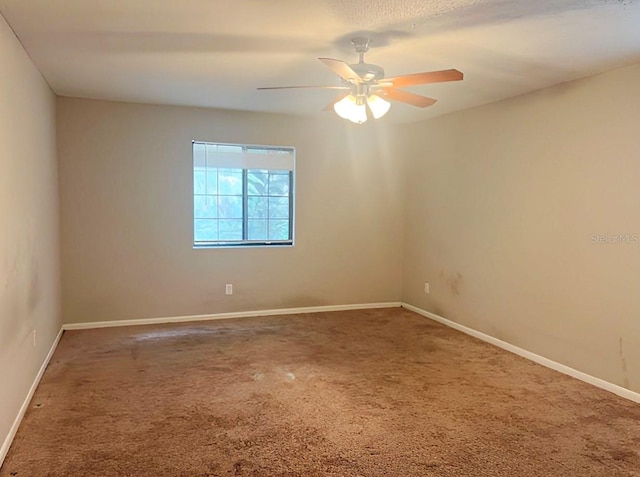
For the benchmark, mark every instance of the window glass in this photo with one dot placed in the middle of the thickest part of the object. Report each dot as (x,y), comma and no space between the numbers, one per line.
(242,195)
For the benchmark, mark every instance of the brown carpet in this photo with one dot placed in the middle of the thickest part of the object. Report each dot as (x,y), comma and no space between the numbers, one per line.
(360,393)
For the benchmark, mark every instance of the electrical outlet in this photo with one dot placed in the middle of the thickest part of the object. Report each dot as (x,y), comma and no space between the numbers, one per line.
(427,289)
(228,289)
(34,338)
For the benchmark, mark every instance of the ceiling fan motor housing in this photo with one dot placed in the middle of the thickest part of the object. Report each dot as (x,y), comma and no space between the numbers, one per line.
(368,72)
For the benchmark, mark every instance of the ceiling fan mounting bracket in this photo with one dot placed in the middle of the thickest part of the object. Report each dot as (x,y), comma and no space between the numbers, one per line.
(361,44)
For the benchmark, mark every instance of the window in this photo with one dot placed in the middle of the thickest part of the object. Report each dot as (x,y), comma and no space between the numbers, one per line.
(242,195)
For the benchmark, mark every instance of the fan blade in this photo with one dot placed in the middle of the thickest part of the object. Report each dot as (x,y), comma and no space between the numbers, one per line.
(406,97)
(329,107)
(425,78)
(343,70)
(303,87)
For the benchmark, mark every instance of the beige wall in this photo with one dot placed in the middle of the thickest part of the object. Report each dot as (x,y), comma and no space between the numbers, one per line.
(126,200)
(502,204)
(29,246)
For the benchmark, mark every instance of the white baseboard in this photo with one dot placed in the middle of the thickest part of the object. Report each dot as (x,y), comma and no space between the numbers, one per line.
(574,373)
(25,405)
(224,316)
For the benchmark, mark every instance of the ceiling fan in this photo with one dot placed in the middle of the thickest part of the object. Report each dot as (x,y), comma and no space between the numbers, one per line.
(366,86)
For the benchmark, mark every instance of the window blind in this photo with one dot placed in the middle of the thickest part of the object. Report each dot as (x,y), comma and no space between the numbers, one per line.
(243,157)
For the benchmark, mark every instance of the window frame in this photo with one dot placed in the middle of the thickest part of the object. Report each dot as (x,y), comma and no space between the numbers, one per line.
(245,242)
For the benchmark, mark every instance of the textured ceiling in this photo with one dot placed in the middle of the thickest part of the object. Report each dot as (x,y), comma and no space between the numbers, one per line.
(216,53)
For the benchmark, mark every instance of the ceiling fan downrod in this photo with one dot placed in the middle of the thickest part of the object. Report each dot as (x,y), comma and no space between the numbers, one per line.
(361,44)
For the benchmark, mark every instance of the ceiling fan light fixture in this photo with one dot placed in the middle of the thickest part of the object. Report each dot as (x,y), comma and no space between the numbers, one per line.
(352,108)
(378,106)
